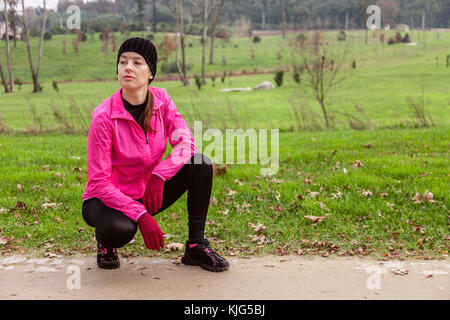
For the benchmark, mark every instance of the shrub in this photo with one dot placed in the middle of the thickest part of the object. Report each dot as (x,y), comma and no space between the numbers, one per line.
(150,36)
(256,39)
(279,77)
(171,67)
(398,37)
(55,85)
(18,83)
(406,39)
(391,41)
(198,81)
(224,76)
(47,35)
(342,36)
(224,34)
(298,70)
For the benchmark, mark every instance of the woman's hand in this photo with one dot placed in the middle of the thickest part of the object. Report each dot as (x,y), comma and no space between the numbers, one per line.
(153,195)
(151,232)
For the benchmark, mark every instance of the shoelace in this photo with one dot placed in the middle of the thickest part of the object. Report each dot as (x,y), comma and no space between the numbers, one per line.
(210,254)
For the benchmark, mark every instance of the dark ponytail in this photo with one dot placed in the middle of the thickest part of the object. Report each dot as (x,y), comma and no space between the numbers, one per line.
(146,116)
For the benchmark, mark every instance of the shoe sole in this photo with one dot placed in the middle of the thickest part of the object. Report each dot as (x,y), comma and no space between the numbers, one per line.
(108,266)
(190,262)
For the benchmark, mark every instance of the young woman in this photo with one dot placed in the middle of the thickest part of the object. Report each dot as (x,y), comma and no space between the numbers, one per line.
(127,180)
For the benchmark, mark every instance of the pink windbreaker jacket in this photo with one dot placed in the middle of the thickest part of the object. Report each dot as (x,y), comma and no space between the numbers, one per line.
(121,158)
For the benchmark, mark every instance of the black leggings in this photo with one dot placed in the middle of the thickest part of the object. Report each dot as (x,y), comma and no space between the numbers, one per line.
(114,229)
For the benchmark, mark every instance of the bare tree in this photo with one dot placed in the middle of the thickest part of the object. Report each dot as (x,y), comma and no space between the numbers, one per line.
(34,72)
(8,51)
(283,18)
(154,16)
(363,5)
(12,5)
(184,76)
(205,32)
(215,16)
(5,83)
(323,66)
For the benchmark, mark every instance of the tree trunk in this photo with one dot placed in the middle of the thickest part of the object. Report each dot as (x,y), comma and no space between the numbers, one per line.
(183,54)
(283,18)
(13,21)
(34,73)
(215,19)
(41,42)
(5,84)
(154,15)
(205,32)
(325,114)
(8,52)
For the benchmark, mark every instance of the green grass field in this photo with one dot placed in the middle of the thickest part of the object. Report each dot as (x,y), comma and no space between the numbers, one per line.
(363,183)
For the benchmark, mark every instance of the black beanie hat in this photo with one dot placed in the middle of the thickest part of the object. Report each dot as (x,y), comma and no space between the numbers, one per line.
(145,48)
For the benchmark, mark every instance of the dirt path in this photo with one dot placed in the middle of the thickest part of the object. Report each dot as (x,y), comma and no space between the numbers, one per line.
(269,277)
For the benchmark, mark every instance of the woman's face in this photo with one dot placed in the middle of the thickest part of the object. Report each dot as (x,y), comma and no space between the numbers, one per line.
(133,71)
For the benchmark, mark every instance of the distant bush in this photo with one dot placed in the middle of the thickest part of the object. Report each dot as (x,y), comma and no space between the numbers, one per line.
(298,70)
(406,39)
(256,39)
(18,82)
(198,81)
(55,86)
(171,67)
(47,35)
(342,36)
(150,36)
(391,41)
(279,77)
(398,37)
(224,34)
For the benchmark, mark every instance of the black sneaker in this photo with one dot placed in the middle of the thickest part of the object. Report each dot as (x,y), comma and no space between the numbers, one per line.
(107,258)
(202,255)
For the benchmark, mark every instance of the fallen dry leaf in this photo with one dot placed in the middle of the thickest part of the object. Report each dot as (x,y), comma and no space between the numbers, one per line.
(50,205)
(426,196)
(220,169)
(276,180)
(401,272)
(5,239)
(366,193)
(368,145)
(260,228)
(313,194)
(19,187)
(357,164)
(175,246)
(260,238)
(315,219)
(224,212)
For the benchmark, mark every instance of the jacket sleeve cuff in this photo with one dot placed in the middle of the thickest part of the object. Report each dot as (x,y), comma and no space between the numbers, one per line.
(157,174)
(140,215)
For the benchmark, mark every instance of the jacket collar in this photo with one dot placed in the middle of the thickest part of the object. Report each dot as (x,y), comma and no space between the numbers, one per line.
(118,109)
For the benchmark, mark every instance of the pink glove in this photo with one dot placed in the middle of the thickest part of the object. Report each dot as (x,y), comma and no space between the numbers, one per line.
(153,195)
(151,232)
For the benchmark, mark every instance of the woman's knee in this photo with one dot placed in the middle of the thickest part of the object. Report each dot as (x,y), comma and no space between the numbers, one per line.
(202,163)
(117,233)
